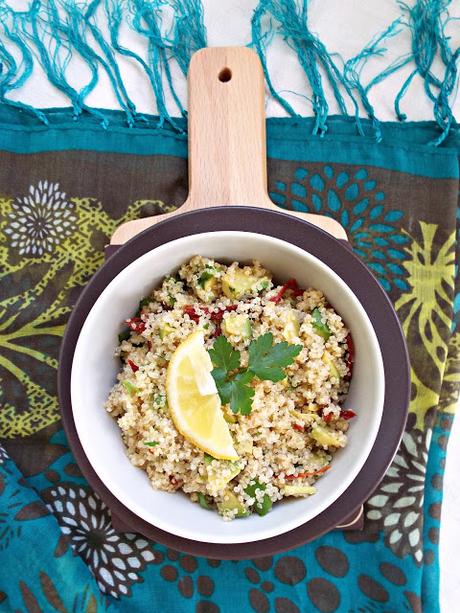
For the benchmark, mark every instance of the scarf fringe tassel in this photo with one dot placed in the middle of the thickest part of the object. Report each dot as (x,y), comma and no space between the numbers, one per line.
(53,33)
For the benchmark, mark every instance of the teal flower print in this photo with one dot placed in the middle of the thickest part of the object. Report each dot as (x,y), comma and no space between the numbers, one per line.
(354,200)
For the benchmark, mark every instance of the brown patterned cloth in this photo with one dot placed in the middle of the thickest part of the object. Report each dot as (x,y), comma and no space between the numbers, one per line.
(64,191)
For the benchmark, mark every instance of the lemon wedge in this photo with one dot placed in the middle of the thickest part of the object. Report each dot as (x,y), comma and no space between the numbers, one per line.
(193,399)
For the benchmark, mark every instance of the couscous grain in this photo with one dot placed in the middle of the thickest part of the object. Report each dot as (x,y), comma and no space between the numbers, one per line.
(295,425)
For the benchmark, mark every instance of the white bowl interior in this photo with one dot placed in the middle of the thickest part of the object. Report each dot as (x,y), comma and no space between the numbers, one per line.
(94,372)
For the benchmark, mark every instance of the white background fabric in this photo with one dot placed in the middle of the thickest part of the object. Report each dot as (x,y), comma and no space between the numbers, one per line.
(345,26)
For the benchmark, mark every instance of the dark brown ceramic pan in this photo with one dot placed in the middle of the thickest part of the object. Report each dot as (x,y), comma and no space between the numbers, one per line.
(220,69)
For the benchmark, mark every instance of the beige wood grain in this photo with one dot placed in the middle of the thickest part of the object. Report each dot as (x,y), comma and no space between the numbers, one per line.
(227,147)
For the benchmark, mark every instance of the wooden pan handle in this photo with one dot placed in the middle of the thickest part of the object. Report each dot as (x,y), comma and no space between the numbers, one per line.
(227,155)
(227,146)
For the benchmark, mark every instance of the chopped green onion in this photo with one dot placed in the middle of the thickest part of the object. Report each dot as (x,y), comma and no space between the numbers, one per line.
(159,400)
(202,501)
(151,443)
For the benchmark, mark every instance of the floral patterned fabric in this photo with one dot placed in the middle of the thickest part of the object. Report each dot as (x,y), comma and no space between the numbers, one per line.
(63,192)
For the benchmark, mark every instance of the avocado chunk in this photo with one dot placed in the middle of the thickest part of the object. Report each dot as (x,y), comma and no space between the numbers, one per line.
(329,360)
(230,502)
(129,387)
(320,326)
(245,446)
(165,329)
(299,490)
(221,472)
(239,325)
(207,279)
(291,327)
(326,437)
(206,287)
(236,284)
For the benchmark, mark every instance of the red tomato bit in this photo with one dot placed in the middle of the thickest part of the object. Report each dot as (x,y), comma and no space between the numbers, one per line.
(304,475)
(136,324)
(215,316)
(134,367)
(351,355)
(328,417)
(175,482)
(190,311)
(292,285)
(298,427)
(347,414)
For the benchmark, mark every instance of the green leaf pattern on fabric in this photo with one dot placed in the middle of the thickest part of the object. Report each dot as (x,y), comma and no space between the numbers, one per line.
(50,245)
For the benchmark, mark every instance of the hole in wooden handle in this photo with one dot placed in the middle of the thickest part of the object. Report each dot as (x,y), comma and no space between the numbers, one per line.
(225,75)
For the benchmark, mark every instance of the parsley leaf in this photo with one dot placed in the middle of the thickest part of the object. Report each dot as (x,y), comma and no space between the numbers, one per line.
(143,303)
(151,443)
(223,355)
(235,391)
(267,360)
(241,393)
(222,383)
(124,336)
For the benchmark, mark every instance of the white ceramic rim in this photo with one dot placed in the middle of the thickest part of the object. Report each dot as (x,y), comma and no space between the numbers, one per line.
(100,468)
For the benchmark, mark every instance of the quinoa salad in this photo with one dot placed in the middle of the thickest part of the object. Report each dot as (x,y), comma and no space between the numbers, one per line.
(272,361)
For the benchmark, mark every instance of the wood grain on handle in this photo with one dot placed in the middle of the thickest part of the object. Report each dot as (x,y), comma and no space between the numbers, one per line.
(227,146)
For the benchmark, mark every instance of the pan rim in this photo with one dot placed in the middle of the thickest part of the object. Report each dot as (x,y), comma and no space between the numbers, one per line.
(368,291)
(255,529)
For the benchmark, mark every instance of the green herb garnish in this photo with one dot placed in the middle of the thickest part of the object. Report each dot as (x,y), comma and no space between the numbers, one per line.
(223,355)
(143,303)
(159,400)
(235,390)
(151,443)
(124,336)
(263,507)
(129,387)
(202,501)
(319,325)
(205,276)
(263,285)
(266,361)
(208,458)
